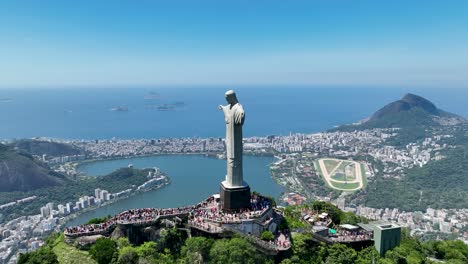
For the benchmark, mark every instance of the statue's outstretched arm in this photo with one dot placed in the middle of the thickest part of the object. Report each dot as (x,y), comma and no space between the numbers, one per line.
(225,109)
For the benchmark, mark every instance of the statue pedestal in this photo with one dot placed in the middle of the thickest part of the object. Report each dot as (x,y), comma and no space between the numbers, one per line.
(234,198)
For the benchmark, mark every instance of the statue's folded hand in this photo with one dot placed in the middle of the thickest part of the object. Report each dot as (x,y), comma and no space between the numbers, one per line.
(238,117)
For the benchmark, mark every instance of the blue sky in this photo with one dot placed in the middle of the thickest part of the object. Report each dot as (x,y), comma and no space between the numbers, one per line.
(143,42)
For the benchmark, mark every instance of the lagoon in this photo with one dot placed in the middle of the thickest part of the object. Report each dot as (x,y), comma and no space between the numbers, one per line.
(194,177)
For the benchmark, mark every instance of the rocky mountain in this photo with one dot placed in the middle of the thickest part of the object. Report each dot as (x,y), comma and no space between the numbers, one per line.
(19,171)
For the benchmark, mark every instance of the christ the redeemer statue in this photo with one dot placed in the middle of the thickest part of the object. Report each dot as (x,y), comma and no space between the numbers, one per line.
(234,117)
(235,193)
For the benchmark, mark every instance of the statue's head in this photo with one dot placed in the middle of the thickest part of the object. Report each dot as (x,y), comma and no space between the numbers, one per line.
(231,97)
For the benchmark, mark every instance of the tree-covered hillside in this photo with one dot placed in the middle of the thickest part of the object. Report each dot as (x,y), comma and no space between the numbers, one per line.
(19,171)
(119,180)
(175,247)
(40,147)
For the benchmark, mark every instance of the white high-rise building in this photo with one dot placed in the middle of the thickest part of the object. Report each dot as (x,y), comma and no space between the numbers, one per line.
(340,203)
(430,212)
(84,201)
(51,206)
(62,209)
(445,227)
(69,207)
(45,211)
(97,194)
(105,195)
(34,245)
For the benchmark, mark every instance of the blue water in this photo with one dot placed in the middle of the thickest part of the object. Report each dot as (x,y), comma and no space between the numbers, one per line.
(194,178)
(84,113)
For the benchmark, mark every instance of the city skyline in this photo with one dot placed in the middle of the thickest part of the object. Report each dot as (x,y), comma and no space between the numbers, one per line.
(58,44)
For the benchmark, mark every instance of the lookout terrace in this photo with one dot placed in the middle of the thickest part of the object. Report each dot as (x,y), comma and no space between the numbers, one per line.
(205,218)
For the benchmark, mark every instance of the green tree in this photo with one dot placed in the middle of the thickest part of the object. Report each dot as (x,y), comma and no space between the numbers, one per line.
(197,249)
(123,242)
(147,250)
(44,255)
(333,212)
(304,251)
(172,239)
(455,261)
(103,250)
(267,235)
(128,255)
(235,251)
(341,254)
(410,251)
(448,250)
(368,255)
(164,258)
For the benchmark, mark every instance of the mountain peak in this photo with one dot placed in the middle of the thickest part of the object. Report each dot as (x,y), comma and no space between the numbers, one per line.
(409,102)
(418,101)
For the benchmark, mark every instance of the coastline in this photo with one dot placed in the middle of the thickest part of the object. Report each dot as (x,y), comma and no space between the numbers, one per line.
(213,155)
(210,155)
(70,217)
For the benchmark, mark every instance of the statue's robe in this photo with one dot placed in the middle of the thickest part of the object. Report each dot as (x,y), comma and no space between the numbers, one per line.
(234,117)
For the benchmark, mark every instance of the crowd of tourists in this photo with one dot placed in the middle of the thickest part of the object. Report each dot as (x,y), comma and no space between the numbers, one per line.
(208,209)
(92,229)
(283,240)
(133,216)
(137,215)
(343,235)
(177,210)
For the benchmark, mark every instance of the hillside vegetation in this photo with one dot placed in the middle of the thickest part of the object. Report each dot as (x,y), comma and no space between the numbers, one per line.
(414,115)
(119,180)
(174,246)
(40,147)
(19,171)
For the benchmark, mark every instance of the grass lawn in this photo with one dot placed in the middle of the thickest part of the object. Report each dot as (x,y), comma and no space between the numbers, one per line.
(70,255)
(343,165)
(345,186)
(340,172)
(340,177)
(317,168)
(330,165)
(364,177)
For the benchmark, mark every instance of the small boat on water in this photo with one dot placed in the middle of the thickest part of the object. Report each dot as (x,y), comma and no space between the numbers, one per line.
(120,109)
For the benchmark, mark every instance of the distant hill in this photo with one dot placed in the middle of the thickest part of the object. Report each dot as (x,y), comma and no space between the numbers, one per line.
(412,113)
(40,147)
(19,171)
(410,110)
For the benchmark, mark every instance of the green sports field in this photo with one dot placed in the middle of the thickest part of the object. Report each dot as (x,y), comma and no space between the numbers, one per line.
(341,174)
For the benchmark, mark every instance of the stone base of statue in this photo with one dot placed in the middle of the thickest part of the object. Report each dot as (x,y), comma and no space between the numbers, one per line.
(234,198)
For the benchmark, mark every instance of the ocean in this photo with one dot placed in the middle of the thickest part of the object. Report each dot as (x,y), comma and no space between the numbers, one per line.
(85,113)
(191,112)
